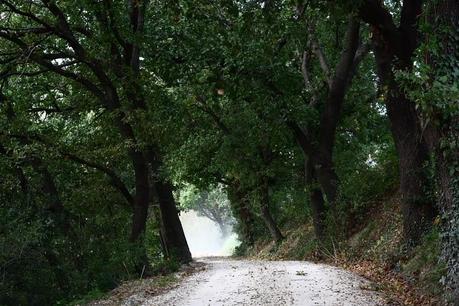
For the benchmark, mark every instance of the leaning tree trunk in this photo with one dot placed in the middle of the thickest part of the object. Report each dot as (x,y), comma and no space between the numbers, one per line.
(266,213)
(141,198)
(171,228)
(242,212)
(172,235)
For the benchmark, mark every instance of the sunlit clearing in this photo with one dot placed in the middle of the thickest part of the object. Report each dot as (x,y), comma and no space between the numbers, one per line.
(205,238)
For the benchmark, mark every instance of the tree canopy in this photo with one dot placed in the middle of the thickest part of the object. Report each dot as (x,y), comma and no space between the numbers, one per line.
(115,115)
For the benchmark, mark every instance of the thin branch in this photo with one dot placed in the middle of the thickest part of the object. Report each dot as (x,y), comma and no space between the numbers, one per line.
(316,48)
(301,137)
(307,80)
(218,121)
(361,53)
(115,180)
(29,15)
(7,74)
(51,110)
(25,31)
(41,60)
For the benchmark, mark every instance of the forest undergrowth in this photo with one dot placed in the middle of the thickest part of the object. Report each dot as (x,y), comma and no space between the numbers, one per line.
(374,250)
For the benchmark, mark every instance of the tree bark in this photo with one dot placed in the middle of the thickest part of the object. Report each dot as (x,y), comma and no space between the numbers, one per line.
(318,207)
(171,230)
(418,211)
(322,160)
(325,175)
(266,213)
(266,155)
(321,177)
(444,127)
(417,208)
(394,49)
(141,198)
(171,227)
(241,208)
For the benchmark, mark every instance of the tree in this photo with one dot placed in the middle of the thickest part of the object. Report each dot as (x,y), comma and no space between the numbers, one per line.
(432,85)
(320,172)
(212,204)
(394,48)
(104,61)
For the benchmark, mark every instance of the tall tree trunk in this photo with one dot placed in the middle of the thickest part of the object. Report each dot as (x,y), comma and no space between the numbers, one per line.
(394,48)
(316,196)
(141,198)
(241,209)
(319,210)
(325,175)
(417,209)
(443,127)
(320,173)
(266,155)
(171,230)
(321,159)
(266,213)
(139,161)
(140,211)
(171,227)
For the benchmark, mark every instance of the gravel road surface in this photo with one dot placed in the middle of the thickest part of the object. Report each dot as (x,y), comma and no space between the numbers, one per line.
(231,282)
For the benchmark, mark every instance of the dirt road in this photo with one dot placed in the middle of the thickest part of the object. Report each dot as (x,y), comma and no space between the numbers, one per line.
(263,283)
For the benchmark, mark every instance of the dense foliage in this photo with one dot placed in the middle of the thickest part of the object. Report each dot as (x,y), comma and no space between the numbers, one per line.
(116,114)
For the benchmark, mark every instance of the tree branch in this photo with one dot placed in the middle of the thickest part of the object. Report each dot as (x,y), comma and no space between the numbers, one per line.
(202,106)
(335,99)
(362,51)
(411,11)
(316,48)
(115,180)
(301,137)
(41,60)
(374,13)
(31,16)
(138,8)
(348,54)
(307,80)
